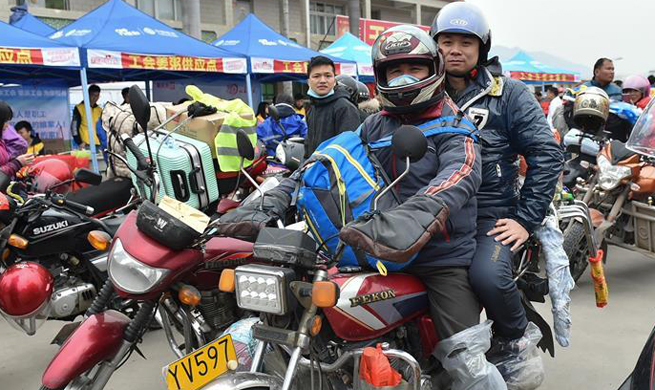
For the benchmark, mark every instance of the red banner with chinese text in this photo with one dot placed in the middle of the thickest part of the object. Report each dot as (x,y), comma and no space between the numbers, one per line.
(369,29)
(63,56)
(119,60)
(530,76)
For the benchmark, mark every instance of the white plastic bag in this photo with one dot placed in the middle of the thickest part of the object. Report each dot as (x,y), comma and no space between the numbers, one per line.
(560,282)
(522,367)
(463,357)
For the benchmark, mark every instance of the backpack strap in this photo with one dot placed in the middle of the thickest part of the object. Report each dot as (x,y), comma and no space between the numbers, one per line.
(458,124)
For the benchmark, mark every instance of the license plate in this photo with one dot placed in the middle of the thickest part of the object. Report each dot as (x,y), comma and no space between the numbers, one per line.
(201,366)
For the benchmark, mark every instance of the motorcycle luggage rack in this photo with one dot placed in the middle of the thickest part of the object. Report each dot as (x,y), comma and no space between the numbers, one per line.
(580,211)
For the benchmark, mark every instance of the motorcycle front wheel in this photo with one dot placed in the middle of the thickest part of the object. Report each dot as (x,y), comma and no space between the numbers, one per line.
(576,248)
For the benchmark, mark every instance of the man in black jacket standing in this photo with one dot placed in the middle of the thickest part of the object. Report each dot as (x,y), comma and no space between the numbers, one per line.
(331,111)
(511,123)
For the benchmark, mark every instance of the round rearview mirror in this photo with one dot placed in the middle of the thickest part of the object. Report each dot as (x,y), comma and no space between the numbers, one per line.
(244,146)
(140,106)
(409,141)
(273,112)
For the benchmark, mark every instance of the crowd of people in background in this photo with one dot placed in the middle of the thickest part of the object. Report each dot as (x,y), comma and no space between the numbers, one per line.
(635,89)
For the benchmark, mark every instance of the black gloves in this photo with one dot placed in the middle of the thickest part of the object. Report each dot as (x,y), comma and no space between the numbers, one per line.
(398,234)
(245,221)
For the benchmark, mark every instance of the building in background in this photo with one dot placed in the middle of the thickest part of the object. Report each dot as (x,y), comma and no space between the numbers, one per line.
(218,16)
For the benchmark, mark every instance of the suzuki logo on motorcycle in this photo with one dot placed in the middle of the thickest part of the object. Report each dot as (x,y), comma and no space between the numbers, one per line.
(49,228)
(373,297)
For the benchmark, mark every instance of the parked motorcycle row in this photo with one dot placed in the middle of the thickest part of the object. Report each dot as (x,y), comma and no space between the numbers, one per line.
(276,314)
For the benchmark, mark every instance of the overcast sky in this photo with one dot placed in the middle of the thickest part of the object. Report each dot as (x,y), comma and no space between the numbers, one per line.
(578,30)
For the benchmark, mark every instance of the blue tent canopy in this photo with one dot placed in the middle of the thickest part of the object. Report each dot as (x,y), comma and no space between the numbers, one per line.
(29,22)
(526,68)
(27,55)
(272,56)
(349,47)
(120,42)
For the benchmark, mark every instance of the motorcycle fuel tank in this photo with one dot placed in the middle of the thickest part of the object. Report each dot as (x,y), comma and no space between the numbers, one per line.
(53,230)
(371,305)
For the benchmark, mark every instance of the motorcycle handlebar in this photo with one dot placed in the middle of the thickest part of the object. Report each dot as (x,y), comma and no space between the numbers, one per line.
(141,161)
(80,208)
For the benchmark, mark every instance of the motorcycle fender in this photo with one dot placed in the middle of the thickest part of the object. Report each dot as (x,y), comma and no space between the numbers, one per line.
(243,381)
(96,339)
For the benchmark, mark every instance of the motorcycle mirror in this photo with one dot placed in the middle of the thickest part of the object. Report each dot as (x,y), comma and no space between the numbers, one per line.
(273,112)
(244,146)
(140,106)
(409,142)
(247,152)
(86,176)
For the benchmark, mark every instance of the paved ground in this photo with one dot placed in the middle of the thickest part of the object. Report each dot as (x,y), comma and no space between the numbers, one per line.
(605,345)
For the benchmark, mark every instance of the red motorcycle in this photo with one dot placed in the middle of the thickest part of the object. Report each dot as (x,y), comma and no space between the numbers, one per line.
(169,268)
(315,321)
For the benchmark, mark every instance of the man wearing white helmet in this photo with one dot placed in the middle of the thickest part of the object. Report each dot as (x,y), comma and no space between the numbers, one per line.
(511,123)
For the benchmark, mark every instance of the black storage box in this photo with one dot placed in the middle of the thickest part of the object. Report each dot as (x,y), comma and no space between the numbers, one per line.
(285,246)
(164,228)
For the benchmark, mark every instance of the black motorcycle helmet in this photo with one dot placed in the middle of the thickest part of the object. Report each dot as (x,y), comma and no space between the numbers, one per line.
(348,84)
(362,92)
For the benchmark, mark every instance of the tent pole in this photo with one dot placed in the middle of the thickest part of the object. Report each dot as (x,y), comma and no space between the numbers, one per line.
(148,90)
(249,90)
(89,120)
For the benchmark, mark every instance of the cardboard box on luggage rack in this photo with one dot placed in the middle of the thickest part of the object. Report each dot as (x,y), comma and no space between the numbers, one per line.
(203,128)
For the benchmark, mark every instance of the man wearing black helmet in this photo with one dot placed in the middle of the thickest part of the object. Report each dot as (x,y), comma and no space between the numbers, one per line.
(436,219)
(511,123)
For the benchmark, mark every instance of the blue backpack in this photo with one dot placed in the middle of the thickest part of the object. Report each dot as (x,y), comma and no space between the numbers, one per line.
(341,180)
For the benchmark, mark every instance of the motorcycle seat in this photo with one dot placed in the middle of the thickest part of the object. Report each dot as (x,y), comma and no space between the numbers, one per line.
(220,247)
(107,196)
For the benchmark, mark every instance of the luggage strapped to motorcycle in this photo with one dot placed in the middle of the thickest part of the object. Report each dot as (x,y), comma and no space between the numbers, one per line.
(349,170)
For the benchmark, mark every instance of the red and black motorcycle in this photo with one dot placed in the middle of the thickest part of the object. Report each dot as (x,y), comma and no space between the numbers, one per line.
(315,319)
(170,269)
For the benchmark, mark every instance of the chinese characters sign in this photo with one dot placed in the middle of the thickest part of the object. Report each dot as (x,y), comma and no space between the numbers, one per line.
(269,65)
(43,104)
(118,60)
(529,76)
(369,29)
(44,56)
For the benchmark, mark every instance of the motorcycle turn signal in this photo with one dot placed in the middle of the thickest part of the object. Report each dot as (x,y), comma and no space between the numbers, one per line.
(99,240)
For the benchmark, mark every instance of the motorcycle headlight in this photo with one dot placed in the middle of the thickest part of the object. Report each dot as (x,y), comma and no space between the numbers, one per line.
(131,275)
(263,288)
(611,175)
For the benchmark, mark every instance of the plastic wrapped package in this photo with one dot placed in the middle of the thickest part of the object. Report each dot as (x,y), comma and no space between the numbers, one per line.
(463,357)
(244,342)
(560,282)
(521,365)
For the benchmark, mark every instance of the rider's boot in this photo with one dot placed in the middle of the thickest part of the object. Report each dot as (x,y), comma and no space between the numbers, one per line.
(463,357)
(519,360)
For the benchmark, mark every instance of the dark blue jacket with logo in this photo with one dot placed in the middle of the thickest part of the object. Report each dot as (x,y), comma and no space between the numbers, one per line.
(511,123)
